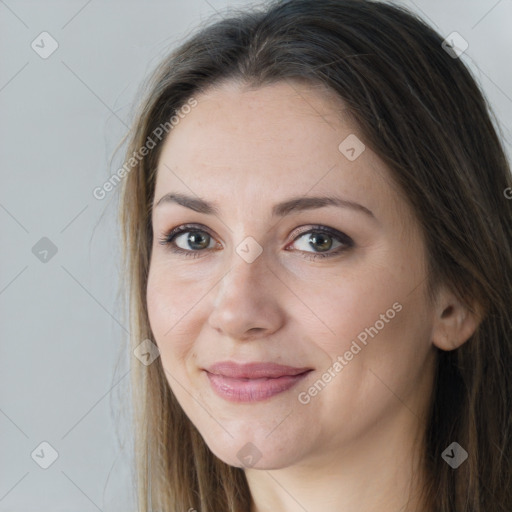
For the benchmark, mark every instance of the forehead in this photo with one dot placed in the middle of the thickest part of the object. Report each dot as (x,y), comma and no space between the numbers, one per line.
(279,123)
(241,146)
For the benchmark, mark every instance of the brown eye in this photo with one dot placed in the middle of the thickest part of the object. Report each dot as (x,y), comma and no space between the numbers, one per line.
(322,239)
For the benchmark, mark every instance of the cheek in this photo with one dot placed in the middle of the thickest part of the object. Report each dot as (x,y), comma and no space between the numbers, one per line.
(167,312)
(378,307)
(356,302)
(379,357)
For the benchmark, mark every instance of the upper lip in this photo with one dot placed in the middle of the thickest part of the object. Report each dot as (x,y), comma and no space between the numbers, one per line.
(253,370)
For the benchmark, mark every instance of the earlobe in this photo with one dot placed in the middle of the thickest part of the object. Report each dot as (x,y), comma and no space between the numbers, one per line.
(454,323)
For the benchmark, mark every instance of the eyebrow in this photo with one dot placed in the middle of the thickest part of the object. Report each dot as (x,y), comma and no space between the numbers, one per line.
(281,209)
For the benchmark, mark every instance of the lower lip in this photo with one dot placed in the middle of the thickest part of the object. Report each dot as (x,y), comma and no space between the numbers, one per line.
(252,390)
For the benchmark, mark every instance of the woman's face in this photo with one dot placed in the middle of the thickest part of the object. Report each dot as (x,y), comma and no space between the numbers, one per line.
(334,289)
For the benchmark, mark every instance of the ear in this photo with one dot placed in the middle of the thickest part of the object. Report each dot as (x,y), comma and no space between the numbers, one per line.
(453,323)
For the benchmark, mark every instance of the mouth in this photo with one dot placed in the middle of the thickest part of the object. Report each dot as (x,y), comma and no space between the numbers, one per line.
(253,382)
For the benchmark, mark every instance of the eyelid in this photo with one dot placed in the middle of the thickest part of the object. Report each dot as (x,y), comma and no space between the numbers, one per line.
(346,241)
(302,230)
(167,236)
(183,228)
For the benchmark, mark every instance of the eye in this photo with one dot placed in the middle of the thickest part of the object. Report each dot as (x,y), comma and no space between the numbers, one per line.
(192,244)
(322,239)
(194,240)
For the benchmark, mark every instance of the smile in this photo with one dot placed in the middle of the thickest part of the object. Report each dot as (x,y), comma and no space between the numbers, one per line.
(252,389)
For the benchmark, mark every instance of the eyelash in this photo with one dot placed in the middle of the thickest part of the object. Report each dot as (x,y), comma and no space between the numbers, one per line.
(168,240)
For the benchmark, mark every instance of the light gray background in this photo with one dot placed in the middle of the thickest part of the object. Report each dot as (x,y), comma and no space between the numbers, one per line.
(62,331)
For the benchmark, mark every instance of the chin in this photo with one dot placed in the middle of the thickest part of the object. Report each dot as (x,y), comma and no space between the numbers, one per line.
(254,454)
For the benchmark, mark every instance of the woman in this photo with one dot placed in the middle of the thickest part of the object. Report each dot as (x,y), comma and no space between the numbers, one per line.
(318,241)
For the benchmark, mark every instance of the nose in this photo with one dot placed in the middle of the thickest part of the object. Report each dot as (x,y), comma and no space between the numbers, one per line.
(247,300)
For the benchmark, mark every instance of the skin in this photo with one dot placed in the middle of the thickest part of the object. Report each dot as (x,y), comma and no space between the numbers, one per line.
(247,149)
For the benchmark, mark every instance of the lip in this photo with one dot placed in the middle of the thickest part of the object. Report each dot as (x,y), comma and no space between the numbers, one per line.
(251,382)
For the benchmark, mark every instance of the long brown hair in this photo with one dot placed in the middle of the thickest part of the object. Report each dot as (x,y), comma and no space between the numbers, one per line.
(420,110)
